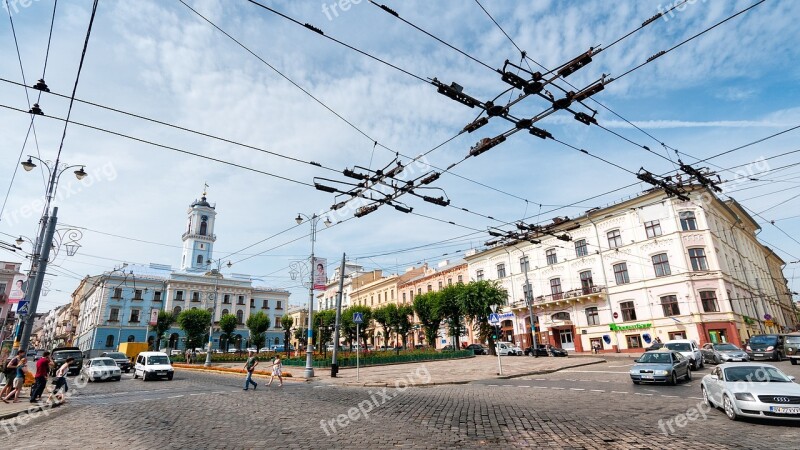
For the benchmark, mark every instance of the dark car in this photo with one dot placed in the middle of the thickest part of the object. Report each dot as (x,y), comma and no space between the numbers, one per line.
(60,355)
(766,346)
(555,351)
(655,346)
(478,349)
(120,358)
(538,351)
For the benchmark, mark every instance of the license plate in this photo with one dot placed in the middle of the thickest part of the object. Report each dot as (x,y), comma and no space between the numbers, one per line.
(161,373)
(784,410)
(759,354)
(647,377)
(736,359)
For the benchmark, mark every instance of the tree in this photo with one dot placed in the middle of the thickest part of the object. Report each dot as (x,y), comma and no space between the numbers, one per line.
(258,323)
(402,317)
(478,297)
(323,323)
(426,306)
(451,307)
(383,315)
(349,327)
(286,324)
(194,322)
(163,324)
(301,334)
(227,323)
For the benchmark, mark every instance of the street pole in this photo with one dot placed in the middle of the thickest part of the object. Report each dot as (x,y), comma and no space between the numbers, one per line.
(496,346)
(358,345)
(309,372)
(334,361)
(529,302)
(213,313)
(37,284)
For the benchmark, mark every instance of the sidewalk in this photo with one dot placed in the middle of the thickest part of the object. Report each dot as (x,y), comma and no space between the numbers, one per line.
(9,410)
(609,354)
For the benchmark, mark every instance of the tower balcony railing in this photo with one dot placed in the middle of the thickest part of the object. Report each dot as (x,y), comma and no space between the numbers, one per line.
(205,237)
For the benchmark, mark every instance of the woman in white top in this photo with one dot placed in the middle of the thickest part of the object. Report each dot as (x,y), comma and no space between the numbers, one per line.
(60,383)
(277,367)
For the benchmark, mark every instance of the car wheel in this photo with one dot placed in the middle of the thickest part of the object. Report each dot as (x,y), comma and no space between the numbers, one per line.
(673,380)
(706,398)
(144,376)
(730,411)
(169,377)
(793,361)
(688,374)
(117,378)
(717,361)
(636,382)
(135,375)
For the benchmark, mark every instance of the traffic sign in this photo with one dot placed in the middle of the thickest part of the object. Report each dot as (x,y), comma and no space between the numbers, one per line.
(358,317)
(494,318)
(22,308)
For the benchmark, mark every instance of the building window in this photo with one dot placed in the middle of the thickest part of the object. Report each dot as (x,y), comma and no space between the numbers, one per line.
(199,260)
(110,340)
(586,281)
(580,248)
(419,290)
(592,316)
(555,288)
(524,264)
(551,256)
(669,303)
(628,311)
(688,221)
(137,294)
(404,297)
(203,225)
(113,315)
(621,273)
(661,265)
(265,304)
(560,316)
(157,296)
(501,271)
(449,281)
(176,311)
(614,239)
(440,285)
(195,296)
(411,295)
(117,293)
(652,228)
(240,300)
(225,312)
(277,321)
(634,340)
(479,275)
(134,315)
(252,303)
(226,299)
(709,299)
(461,279)
(179,296)
(676,335)
(698,258)
(278,304)
(240,317)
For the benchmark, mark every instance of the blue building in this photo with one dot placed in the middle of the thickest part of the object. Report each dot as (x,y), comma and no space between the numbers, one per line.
(119,305)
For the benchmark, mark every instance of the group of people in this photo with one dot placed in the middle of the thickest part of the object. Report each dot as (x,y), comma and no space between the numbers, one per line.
(250,367)
(16,369)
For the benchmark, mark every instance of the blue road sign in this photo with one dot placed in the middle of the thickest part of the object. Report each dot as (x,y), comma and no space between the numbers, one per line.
(494,318)
(358,317)
(22,308)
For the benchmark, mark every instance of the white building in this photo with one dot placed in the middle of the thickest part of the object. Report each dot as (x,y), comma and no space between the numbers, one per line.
(327,299)
(645,268)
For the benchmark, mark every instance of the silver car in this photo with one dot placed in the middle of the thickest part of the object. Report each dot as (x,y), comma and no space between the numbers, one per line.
(721,353)
(97,369)
(752,390)
(661,366)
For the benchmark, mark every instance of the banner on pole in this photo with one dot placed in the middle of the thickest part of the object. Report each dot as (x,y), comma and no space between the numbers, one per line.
(320,274)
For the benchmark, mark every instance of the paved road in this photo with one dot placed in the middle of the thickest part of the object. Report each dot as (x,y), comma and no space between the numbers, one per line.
(203,410)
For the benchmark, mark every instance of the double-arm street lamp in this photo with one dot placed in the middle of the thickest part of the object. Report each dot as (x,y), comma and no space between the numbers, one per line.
(213,297)
(309,372)
(45,240)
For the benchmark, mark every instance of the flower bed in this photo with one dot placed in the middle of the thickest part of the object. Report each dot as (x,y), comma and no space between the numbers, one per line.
(348,359)
(267,373)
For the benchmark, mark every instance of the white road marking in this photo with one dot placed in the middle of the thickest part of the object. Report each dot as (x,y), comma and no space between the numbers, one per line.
(492,385)
(508,385)
(524,386)
(176,396)
(576,389)
(640,393)
(671,396)
(315,387)
(557,388)
(626,365)
(540,387)
(596,390)
(618,392)
(696,398)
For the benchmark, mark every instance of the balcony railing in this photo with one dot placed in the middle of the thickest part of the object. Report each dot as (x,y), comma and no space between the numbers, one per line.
(573,293)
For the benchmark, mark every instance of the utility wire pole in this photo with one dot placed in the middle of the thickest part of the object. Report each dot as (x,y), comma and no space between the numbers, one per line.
(334,360)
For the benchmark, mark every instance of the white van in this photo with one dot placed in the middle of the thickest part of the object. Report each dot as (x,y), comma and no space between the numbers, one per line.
(506,348)
(151,365)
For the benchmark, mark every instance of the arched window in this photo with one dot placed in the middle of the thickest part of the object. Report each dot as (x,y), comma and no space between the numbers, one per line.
(225,311)
(199,259)
(203,225)
(240,317)
(177,310)
(277,341)
(173,340)
(560,316)
(131,338)
(110,340)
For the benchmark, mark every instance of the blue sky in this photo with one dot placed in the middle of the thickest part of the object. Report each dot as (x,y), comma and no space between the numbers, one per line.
(735,84)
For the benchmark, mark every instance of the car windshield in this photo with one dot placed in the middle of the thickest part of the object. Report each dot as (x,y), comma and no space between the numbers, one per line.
(104,362)
(764,340)
(68,354)
(756,374)
(679,347)
(116,355)
(725,347)
(793,340)
(660,358)
(158,359)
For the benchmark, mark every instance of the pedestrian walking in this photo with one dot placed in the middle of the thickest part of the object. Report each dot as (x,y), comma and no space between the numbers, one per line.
(11,370)
(595,347)
(249,367)
(60,383)
(188,356)
(42,369)
(277,370)
(19,381)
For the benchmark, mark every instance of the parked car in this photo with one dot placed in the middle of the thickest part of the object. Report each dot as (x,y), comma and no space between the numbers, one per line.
(281,349)
(176,352)
(39,354)
(662,366)
(507,349)
(60,355)
(555,351)
(792,345)
(689,349)
(766,346)
(720,353)
(478,349)
(655,346)
(252,349)
(102,368)
(153,365)
(538,351)
(752,390)
(264,350)
(447,348)
(121,359)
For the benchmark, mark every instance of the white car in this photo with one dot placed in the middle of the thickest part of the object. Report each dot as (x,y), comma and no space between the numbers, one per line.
(97,369)
(506,349)
(689,349)
(752,390)
(151,365)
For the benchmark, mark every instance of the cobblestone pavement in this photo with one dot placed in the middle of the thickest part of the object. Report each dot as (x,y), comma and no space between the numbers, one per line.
(133,414)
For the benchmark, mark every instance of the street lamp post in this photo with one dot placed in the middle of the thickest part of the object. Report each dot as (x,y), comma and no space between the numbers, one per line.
(216,273)
(47,225)
(497,347)
(309,372)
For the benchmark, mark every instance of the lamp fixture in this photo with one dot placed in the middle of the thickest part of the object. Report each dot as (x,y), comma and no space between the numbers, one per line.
(28,165)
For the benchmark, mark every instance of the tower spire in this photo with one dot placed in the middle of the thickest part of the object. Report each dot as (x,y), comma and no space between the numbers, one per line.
(205,188)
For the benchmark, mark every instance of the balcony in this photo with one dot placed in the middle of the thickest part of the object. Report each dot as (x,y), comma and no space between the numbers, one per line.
(580,295)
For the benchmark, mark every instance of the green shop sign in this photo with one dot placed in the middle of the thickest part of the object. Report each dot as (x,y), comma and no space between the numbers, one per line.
(638,326)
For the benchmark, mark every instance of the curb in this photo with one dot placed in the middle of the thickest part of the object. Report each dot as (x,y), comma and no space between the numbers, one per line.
(546,371)
(39,407)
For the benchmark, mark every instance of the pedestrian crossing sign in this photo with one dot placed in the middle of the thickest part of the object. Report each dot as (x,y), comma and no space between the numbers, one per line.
(22,308)
(358,317)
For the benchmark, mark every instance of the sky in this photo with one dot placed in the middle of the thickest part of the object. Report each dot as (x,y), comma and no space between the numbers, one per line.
(287,90)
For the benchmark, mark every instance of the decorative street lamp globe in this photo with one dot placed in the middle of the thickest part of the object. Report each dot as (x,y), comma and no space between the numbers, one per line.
(28,165)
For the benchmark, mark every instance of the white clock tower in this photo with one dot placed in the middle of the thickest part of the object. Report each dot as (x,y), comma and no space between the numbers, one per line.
(199,237)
